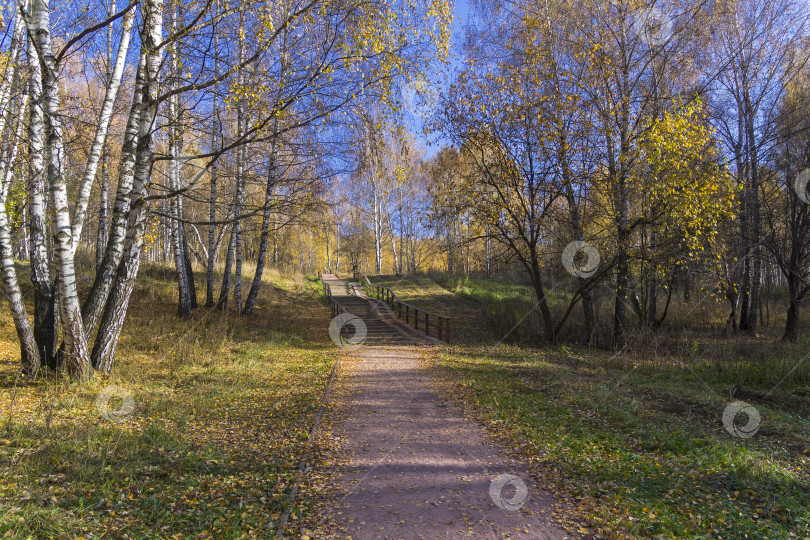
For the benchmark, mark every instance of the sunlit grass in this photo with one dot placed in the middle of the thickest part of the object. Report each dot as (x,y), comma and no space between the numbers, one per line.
(223,407)
(645,450)
(636,437)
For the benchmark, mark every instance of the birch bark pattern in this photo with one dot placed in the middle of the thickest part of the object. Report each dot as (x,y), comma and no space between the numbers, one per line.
(29,354)
(265,231)
(46,320)
(96,300)
(272,178)
(175,180)
(76,354)
(100,138)
(241,155)
(104,194)
(112,320)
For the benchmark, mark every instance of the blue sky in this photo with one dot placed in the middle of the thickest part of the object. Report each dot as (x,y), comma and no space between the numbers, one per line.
(461,11)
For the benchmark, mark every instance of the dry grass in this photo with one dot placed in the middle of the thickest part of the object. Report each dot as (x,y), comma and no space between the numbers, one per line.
(222,410)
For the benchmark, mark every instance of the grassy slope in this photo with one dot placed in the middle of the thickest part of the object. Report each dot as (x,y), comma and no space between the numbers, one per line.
(638,441)
(223,411)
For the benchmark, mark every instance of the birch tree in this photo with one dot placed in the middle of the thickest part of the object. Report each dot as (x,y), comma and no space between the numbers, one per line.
(333,43)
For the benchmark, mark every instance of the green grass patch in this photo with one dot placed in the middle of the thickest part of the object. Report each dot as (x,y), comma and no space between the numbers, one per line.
(642,447)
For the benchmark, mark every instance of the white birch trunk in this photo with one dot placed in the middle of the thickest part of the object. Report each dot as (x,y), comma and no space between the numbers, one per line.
(102,128)
(94,304)
(29,353)
(212,205)
(46,321)
(175,180)
(104,194)
(337,249)
(241,155)
(112,320)
(77,357)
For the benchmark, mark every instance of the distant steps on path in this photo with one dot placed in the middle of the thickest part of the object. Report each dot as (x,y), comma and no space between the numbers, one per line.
(381,325)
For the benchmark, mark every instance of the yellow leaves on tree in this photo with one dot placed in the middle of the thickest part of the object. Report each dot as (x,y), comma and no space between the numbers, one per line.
(679,174)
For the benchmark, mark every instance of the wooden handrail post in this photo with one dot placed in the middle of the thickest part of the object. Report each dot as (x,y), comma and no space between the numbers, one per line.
(441,324)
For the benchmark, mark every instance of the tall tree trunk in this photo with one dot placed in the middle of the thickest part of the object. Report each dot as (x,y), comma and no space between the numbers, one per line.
(268,200)
(212,204)
(328,249)
(792,322)
(29,352)
(576,223)
(488,253)
(449,241)
(102,129)
(275,242)
(101,234)
(241,156)
(77,355)
(402,262)
(46,320)
(104,201)
(378,227)
(337,249)
(175,129)
(97,298)
(237,233)
(651,314)
(745,236)
(622,266)
(224,292)
(397,266)
(192,286)
(112,320)
(756,221)
(539,289)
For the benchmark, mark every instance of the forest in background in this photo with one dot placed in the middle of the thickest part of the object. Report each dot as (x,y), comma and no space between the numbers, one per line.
(626,157)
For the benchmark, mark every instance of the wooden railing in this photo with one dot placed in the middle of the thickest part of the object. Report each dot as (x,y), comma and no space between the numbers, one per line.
(413,315)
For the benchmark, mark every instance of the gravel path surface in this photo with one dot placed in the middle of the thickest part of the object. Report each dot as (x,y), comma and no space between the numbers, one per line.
(416,468)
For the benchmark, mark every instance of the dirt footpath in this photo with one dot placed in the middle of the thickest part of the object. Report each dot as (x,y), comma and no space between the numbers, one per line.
(409,465)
